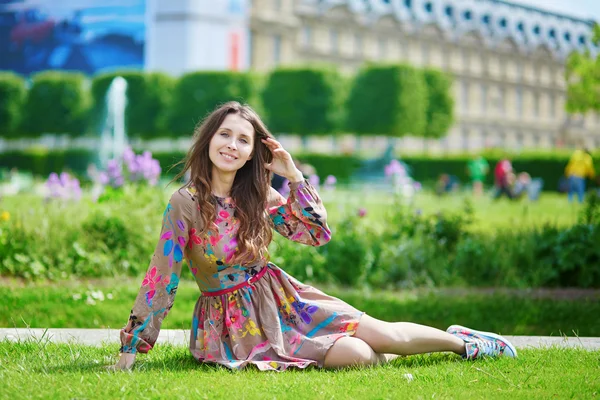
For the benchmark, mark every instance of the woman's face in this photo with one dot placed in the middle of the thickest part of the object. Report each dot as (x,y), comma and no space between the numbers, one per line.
(232,145)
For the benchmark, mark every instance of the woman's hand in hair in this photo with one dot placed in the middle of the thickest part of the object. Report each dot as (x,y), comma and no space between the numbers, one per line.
(282,163)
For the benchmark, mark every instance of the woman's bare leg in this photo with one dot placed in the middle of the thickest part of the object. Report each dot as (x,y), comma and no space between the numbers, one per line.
(351,351)
(377,342)
(405,338)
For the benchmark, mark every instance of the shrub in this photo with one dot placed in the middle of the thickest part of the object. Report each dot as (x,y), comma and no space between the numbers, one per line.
(198,93)
(387,100)
(304,101)
(12,99)
(148,98)
(57,102)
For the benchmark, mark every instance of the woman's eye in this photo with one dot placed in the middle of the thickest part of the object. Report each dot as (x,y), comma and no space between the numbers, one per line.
(224,134)
(243,140)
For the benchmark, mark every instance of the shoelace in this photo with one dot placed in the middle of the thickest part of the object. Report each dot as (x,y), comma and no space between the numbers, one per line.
(487,347)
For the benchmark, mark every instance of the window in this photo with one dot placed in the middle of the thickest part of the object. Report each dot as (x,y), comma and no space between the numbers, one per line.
(502,101)
(552,33)
(567,36)
(519,101)
(358,45)
(521,27)
(582,40)
(536,105)
(425,52)
(537,30)
(468,15)
(449,11)
(429,7)
(465,138)
(484,97)
(486,19)
(306,36)
(276,49)
(333,41)
(502,22)
(536,140)
(519,139)
(408,3)
(552,107)
(465,94)
(466,59)
(382,48)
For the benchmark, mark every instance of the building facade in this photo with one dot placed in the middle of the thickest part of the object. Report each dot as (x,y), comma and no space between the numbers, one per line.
(507,60)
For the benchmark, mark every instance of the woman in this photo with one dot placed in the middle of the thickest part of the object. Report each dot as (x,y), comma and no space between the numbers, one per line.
(250,311)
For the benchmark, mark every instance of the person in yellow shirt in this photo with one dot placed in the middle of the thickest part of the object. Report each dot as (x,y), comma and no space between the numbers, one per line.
(579,168)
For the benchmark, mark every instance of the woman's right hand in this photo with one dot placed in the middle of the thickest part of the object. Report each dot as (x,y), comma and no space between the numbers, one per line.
(125,362)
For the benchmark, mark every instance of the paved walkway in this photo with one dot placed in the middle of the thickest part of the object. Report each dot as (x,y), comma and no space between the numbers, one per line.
(181,337)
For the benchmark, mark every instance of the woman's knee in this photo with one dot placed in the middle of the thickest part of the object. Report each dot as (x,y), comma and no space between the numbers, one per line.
(348,351)
(382,336)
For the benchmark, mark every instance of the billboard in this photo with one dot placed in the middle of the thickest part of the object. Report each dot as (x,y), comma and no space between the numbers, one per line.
(83,35)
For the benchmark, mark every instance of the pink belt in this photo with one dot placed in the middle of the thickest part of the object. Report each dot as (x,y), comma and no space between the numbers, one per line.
(249,282)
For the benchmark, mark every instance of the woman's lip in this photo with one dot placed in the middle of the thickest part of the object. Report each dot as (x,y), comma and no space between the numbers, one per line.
(229,155)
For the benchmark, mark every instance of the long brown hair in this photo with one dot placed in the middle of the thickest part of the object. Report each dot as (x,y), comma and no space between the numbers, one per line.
(250,188)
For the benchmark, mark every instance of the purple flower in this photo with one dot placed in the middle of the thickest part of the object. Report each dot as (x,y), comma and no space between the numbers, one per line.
(395,168)
(314,180)
(362,212)
(417,186)
(330,182)
(63,187)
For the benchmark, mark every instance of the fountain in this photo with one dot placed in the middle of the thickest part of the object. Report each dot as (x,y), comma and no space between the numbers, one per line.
(114,139)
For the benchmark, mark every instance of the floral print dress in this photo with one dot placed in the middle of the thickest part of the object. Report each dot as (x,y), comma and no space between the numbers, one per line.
(275,323)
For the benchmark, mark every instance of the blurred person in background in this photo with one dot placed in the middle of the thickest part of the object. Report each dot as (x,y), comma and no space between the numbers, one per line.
(580,167)
(502,175)
(477,169)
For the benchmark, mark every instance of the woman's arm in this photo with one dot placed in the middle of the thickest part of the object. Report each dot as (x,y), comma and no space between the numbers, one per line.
(159,287)
(302,218)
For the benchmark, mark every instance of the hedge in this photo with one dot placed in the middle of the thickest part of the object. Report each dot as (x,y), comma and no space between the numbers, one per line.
(304,101)
(57,102)
(423,168)
(440,103)
(12,99)
(148,97)
(198,93)
(387,100)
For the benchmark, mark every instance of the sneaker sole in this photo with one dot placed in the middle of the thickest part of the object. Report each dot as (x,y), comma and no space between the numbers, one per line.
(489,334)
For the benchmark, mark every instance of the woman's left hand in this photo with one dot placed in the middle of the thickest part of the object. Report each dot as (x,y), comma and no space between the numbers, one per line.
(282,163)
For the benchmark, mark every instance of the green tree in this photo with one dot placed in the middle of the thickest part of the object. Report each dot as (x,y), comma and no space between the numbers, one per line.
(387,100)
(583,79)
(12,98)
(57,102)
(148,96)
(304,101)
(440,103)
(197,94)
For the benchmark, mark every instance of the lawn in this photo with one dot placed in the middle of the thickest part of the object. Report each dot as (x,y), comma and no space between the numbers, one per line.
(106,304)
(489,214)
(45,370)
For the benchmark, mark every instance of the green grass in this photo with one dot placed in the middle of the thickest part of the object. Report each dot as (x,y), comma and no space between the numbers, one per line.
(39,369)
(63,305)
(489,214)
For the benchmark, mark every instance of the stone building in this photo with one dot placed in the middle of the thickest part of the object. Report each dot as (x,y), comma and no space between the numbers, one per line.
(507,60)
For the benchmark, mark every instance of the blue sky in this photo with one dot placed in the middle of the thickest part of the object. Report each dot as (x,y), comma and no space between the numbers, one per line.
(587,9)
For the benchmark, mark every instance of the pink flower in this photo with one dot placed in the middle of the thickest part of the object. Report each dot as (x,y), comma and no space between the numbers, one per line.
(362,212)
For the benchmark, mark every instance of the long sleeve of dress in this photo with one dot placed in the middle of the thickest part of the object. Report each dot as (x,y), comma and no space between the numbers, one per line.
(157,293)
(302,218)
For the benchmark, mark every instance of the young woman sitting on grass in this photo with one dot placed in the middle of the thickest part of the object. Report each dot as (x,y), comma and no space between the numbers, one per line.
(250,311)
